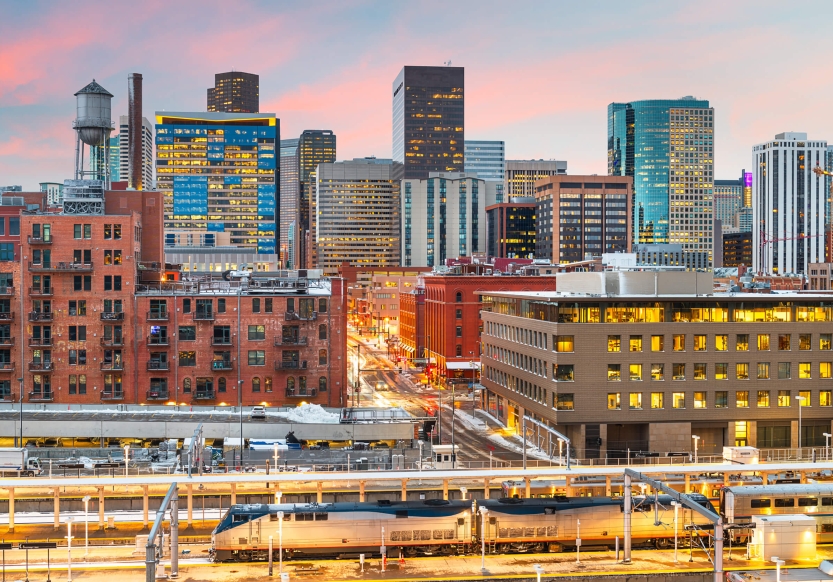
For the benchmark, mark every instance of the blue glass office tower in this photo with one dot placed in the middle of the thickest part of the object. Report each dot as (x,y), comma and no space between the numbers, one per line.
(667,146)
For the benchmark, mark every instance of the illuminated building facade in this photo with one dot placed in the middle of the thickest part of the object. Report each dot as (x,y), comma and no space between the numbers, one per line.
(521,175)
(219,174)
(429,120)
(315,146)
(510,229)
(290,190)
(235,92)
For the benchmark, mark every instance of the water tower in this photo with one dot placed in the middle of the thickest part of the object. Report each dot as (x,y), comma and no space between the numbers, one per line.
(93,125)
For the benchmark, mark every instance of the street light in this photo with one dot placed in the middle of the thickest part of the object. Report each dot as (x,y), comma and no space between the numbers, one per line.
(801,400)
(69,549)
(827,436)
(20,380)
(696,441)
(86,526)
(676,512)
(240,406)
(126,458)
(275,456)
(420,461)
(483,511)
(280,544)
(539,569)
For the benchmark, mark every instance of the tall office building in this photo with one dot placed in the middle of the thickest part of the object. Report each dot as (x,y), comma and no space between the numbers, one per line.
(315,146)
(788,204)
(521,175)
(123,153)
(235,92)
(219,174)
(828,184)
(358,214)
(429,120)
(290,190)
(486,158)
(510,229)
(728,199)
(667,146)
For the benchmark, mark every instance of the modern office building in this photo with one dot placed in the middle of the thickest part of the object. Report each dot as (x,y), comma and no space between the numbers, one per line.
(123,155)
(234,92)
(510,229)
(315,146)
(486,158)
(290,190)
(444,217)
(54,192)
(728,199)
(667,146)
(582,216)
(648,368)
(828,185)
(737,248)
(219,174)
(788,204)
(358,221)
(521,175)
(429,120)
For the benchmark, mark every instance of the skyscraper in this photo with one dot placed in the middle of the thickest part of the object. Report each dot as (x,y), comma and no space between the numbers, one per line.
(290,189)
(235,92)
(315,146)
(788,204)
(486,158)
(124,155)
(521,175)
(429,120)
(667,146)
(219,174)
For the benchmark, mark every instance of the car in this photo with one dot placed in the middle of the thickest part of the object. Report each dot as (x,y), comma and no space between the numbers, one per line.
(258,412)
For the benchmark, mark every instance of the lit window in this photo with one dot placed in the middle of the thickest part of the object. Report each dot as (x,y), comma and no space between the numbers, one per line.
(805,342)
(721,371)
(741,438)
(635,343)
(614,372)
(805,370)
(742,399)
(824,370)
(784,342)
(825,341)
(763,342)
(657,400)
(721,343)
(678,399)
(635,399)
(565,402)
(657,343)
(763,398)
(700,343)
(783,398)
(742,371)
(679,342)
(614,343)
(742,343)
(564,343)
(763,370)
(635,371)
(657,371)
(699,400)
(564,373)
(825,398)
(614,401)
(678,371)
(804,398)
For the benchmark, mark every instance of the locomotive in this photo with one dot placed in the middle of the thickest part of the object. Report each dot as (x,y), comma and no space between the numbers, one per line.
(441,527)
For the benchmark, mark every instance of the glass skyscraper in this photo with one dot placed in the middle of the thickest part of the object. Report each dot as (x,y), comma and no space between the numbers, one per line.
(315,146)
(486,158)
(290,191)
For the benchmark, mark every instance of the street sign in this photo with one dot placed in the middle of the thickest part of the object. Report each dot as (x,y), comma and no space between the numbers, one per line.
(6,547)
(37,545)
(420,361)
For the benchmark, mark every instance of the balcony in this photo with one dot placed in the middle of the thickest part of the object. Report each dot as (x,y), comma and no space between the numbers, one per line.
(6,341)
(40,316)
(295,316)
(40,342)
(6,316)
(41,366)
(112,316)
(158,315)
(40,291)
(308,393)
(61,267)
(290,341)
(47,396)
(110,395)
(6,367)
(109,342)
(221,341)
(40,240)
(154,340)
(291,365)
(203,315)
(204,395)
(112,366)
(221,365)
(6,291)
(156,395)
(154,365)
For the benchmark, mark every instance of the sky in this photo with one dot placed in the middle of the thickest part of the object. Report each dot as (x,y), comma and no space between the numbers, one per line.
(539,75)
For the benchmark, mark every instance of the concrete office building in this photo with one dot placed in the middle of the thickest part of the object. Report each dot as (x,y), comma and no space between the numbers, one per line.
(429,120)
(648,368)
(54,192)
(290,188)
(234,92)
(788,204)
(487,159)
(444,217)
(358,214)
(315,146)
(521,175)
(581,216)
(728,199)
(123,155)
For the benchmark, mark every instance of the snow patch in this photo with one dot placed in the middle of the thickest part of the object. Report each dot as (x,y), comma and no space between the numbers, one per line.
(309,414)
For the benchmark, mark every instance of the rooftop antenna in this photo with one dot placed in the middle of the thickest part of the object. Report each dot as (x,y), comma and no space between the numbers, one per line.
(447,63)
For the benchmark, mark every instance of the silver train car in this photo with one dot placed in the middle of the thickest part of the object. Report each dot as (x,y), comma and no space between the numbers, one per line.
(439,527)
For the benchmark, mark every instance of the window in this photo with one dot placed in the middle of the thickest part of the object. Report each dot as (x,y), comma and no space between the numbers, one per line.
(322,305)
(564,343)
(614,343)
(256,305)
(742,371)
(186,385)
(741,435)
(267,384)
(186,306)
(678,399)
(805,370)
(742,342)
(614,401)
(742,399)
(257,357)
(804,398)
(699,400)
(112,282)
(783,398)
(458,314)
(700,343)
(763,370)
(458,297)
(721,343)
(824,370)
(635,401)
(255,384)
(78,308)
(564,373)
(14,226)
(77,333)
(82,283)
(763,398)
(267,306)
(784,342)
(657,400)
(322,331)
(635,344)
(679,342)
(678,371)
(187,333)
(108,231)
(614,372)
(657,343)
(721,399)
(635,372)
(257,332)
(322,357)
(565,401)
(700,372)
(721,371)
(221,384)
(657,371)
(459,331)
(188,358)
(221,305)
(6,251)
(763,342)
(825,340)
(805,341)
(825,398)
(784,370)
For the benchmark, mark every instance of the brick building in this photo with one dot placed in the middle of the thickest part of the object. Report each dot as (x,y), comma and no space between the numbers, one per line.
(412,324)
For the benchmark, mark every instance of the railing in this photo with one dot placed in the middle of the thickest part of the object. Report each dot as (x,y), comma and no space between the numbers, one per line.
(295,316)
(108,342)
(41,396)
(40,291)
(204,315)
(221,365)
(157,394)
(204,395)
(40,240)
(291,365)
(6,316)
(40,342)
(158,341)
(221,341)
(6,291)
(110,395)
(112,366)
(40,316)
(6,367)
(290,341)
(157,365)
(61,266)
(157,315)
(6,341)
(112,316)
(40,366)
(309,393)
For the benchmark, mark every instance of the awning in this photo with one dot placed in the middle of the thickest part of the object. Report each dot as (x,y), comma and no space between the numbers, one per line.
(462,365)
(407,348)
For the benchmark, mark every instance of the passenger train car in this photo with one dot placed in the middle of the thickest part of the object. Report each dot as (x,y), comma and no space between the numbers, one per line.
(439,527)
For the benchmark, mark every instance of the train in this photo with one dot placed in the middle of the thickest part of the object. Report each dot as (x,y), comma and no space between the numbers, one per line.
(441,527)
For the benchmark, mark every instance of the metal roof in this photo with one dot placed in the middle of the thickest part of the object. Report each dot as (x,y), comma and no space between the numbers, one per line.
(94,87)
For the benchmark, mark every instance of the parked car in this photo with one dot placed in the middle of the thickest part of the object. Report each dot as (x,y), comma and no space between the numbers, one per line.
(258,412)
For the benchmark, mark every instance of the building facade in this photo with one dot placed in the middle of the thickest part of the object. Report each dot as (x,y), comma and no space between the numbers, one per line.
(429,120)
(821,277)
(315,146)
(121,153)
(510,229)
(54,192)
(234,92)
(218,173)
(412,325)
(728,199)
(521,175)
(486,158)
(737,249)
(290,188)
(788,204)
(583,215)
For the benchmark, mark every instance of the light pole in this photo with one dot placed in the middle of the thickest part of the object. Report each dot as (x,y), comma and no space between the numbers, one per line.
(801,400)
(240,406)
(483,511)
(275,457)
(696,441)
(453,455)
(280,542)
(676,512)
(86,526)
(126,458)
(778,564)
(420,461)
(827,436)
(69,549)
(539,569)
(20,381)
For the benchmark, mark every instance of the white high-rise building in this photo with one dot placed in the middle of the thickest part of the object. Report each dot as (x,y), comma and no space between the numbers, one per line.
(147,152)
(788,204)
(486,158)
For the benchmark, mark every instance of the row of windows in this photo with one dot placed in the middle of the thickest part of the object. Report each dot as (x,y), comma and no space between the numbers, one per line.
(222,333)
(159,307)
(296,386)
(700,342)
(700,399)
(700,371)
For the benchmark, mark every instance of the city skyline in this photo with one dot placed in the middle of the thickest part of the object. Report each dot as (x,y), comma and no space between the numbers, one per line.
(558,112)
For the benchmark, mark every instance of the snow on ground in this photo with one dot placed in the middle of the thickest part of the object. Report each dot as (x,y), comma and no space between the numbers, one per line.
(309,413)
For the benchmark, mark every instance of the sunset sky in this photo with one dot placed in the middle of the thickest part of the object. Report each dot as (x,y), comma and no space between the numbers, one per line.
(539,75)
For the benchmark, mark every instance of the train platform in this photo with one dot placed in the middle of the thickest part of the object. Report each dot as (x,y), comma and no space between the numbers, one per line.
(122,534)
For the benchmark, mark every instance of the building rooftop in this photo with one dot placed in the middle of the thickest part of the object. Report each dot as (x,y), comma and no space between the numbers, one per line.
(284,283)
